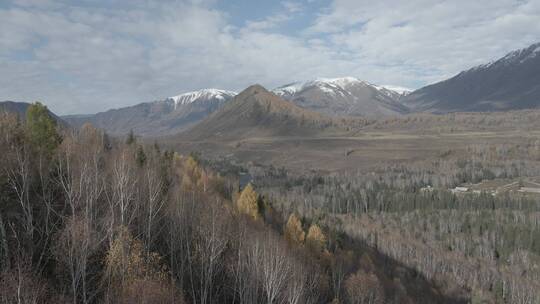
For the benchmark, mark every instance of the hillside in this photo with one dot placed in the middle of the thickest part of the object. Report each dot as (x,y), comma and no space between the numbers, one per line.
(20,109)
(346,96)
(510,83)
(164,117)
(258,112)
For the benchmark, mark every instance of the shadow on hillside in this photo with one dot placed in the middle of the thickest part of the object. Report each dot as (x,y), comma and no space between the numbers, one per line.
(417,286)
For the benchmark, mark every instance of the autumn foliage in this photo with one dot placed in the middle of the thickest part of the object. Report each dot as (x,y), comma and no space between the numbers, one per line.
(248,202)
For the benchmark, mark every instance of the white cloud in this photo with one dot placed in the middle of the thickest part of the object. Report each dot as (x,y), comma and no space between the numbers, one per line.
(89,58)
(434,38)
(292,6)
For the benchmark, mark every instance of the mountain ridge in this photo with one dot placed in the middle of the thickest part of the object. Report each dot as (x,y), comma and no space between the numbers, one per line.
(345,96)
(511,82)
(20,109)
(162,117)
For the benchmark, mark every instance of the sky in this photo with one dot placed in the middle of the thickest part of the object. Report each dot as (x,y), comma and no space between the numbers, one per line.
(86,56)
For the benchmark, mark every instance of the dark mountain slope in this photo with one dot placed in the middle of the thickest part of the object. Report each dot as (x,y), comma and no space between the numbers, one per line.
(20,109)
(510,83)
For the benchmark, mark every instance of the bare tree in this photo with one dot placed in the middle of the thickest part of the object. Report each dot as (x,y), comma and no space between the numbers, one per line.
(154,202)
(209,246)
(274,267)
(73,248)
(123,190)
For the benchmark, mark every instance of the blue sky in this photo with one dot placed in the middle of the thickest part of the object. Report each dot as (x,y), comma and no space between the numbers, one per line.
(87,56)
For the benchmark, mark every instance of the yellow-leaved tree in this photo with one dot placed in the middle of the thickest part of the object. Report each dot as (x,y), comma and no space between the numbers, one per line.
(293,230)
(248,202)
(316,239)
(192,174)
(137,276)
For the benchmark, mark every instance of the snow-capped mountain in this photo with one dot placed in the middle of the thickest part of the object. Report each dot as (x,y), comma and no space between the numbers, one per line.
(509,83)
(163,117)
(201,95)
(256,112)
(343,96)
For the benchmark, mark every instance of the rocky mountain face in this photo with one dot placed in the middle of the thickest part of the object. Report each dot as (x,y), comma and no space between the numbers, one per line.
(346,96)
(510,83)
(158,118)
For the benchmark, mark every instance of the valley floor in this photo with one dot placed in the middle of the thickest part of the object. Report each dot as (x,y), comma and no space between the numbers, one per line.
(363,151)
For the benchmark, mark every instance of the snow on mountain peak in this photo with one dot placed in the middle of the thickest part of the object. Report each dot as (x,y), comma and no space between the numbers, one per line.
(397,89)
(328,85)
(333,86)
(517,56)
(190,97)
(342,82)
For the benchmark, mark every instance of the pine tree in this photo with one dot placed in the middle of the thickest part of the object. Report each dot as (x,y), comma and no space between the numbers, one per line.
(131,139)
(41,129)
(140,156)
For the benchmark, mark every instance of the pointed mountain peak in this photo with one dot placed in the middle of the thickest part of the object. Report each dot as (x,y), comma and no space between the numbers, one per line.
(254,89)
(257,94)
(256,111)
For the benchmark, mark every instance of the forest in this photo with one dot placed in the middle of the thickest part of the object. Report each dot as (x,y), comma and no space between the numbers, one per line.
(481,243)
(89,218)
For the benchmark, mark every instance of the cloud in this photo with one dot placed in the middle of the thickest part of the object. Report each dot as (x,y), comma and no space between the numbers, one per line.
(97,55)
(434,38)
(292,6)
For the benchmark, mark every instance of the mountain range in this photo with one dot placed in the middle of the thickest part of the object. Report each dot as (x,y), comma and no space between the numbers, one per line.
(164,117)
(509,83)
(336,97)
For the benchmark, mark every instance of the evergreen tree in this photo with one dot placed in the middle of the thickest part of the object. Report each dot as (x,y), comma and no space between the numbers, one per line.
(41,129)
(131,139)
(140,156)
